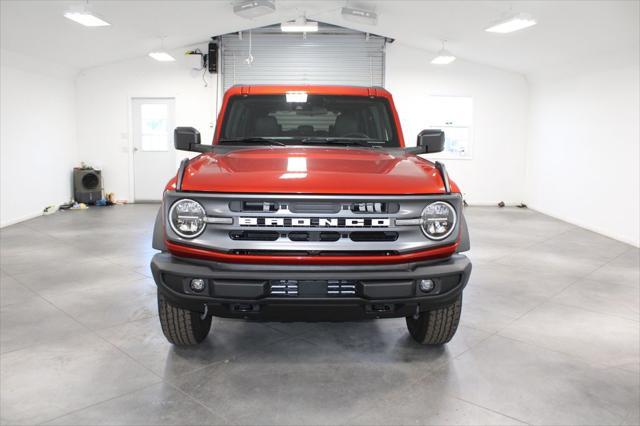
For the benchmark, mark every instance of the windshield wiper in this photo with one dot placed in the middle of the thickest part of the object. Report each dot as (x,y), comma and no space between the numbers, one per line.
(343,141)
(257,140)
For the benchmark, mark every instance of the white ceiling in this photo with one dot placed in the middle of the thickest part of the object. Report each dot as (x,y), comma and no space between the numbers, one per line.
(571,35)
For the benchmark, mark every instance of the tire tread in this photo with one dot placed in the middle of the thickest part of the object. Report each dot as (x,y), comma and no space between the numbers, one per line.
(181,326)
(436,327)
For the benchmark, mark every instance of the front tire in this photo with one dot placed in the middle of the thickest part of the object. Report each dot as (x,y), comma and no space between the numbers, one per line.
(436,327)
(181,326)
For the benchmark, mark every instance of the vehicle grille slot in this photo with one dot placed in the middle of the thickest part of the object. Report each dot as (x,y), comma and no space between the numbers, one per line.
(309,207)
(254,235)
(259,206)
(299,236)
(372,207)
(329,236)
(284,288)
(341,288)
(373,236)
(314,236)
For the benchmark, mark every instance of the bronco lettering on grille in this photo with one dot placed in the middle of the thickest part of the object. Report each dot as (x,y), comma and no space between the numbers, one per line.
(315,222)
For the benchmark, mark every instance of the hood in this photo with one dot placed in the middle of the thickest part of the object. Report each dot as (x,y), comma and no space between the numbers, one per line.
(316,170)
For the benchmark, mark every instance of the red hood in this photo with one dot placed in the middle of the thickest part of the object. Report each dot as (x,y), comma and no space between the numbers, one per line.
(316,170)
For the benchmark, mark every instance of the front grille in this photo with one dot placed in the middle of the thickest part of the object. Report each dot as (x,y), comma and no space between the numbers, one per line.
(312,225)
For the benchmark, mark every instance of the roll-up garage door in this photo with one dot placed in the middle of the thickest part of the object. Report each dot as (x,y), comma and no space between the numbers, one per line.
(334,55)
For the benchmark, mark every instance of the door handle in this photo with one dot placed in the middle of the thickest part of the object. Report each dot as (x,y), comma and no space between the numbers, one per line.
(135,149)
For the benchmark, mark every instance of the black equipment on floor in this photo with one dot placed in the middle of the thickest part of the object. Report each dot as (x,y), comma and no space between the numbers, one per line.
(87,185)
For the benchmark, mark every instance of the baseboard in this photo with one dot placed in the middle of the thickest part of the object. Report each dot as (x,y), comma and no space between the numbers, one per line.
(492,203)
(4,224)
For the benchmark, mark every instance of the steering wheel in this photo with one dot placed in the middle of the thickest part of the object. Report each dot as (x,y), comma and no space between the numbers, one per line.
(355,135)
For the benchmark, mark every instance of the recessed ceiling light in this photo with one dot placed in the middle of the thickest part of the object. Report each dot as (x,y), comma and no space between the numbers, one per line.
(162,56)
(254,8)
(300,25)
(511,24)
(87,19)
(360,15)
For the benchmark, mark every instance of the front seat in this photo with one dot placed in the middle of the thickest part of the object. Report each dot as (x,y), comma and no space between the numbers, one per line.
(346,123)
(266,126)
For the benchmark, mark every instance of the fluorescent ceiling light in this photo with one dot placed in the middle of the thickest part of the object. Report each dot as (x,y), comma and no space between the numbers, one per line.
(444,57)
(300,25)
(87,19)
(254,8)
(514,23)
(360,15)
(162,56)
(297,97)
(297,164)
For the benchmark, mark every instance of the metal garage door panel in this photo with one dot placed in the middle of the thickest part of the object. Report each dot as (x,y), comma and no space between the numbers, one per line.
(336,56)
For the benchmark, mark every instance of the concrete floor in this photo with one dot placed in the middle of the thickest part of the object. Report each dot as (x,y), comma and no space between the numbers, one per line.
(549,335)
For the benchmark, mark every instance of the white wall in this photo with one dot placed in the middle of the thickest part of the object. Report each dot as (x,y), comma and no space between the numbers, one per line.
(496,171)
(583,153)
(37,138)
(103,102)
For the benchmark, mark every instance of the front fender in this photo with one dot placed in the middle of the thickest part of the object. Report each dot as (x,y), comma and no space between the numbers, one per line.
(158,233)
(465,243)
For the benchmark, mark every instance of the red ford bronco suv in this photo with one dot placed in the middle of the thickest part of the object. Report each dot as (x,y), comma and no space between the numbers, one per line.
(309,207)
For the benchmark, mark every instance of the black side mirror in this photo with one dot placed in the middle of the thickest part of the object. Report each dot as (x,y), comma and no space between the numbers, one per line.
(186,139)
(431,140)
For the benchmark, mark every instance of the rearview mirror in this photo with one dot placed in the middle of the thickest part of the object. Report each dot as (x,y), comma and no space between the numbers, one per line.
(431,140)
(186,139)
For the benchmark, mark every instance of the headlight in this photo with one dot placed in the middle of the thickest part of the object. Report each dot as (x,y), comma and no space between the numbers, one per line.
(187,218)
(438,220)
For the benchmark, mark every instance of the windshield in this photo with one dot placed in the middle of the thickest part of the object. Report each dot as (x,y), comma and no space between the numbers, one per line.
(298,118)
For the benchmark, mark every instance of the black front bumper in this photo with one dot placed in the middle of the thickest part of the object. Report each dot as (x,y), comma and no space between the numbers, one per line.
(363,291)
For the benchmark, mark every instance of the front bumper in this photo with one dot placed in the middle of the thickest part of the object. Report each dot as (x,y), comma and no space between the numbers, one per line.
(308,292)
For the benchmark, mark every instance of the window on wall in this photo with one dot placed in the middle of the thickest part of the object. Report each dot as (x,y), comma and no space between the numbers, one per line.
(454,115)
(155,134)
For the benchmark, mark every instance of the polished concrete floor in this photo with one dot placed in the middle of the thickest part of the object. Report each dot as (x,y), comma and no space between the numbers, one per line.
(549,335)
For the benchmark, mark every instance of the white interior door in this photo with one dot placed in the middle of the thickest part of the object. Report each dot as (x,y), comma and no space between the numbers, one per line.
(154,157)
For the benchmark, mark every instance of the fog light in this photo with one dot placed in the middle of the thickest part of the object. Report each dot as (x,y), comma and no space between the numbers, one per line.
(197,284)
(426,285)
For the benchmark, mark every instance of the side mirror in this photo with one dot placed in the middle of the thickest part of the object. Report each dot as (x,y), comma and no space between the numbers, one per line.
(431,140)
(186,138)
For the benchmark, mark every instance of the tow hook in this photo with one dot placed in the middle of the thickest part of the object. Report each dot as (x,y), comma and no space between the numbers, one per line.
(417,314)
(206,311)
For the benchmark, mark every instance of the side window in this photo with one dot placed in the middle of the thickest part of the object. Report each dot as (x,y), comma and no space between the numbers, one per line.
(454,115)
